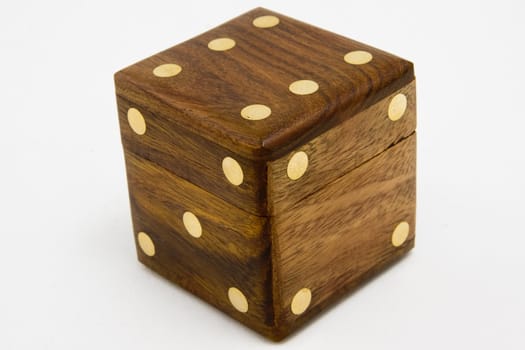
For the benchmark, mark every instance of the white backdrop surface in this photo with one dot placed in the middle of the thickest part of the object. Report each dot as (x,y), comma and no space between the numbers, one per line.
(69,278)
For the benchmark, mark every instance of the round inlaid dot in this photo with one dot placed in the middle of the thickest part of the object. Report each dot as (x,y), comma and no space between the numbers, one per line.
(266,21)
(146,243)
(167,70)
(397,107)
(303,87)
(192,224)
(301,301)
(256,112)
(221,44)
(297,165)
(136,121)
(400,234)
(232,170)
(358,57)
(238,300)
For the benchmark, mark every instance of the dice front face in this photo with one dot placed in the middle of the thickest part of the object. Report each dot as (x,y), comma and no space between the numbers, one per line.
(271,166)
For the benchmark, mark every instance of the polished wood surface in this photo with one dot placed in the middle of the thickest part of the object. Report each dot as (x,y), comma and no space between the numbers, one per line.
(206,97)
(269,242)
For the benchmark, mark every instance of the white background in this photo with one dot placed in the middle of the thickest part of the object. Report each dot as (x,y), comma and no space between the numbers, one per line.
(69,278)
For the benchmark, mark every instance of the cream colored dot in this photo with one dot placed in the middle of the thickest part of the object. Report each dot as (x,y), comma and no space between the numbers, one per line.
(400,234)
(256,112)
(232,170)
(192,224)
(266,21)
(303,87)
(136,121)
(238,299)
(397,107)
(167,70)
(221,44)
(146,243)
(297,165)
(358,57)
(301,301)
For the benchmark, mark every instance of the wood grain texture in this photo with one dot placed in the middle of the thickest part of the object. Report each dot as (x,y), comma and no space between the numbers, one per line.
(233,251)
(339,150)
(270,236)
(193,158)
(206,98)
(334,239)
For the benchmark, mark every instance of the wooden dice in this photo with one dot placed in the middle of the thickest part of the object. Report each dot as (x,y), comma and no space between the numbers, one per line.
(271,166)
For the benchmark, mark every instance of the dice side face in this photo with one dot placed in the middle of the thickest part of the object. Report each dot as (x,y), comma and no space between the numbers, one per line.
(328,241)
(215,250)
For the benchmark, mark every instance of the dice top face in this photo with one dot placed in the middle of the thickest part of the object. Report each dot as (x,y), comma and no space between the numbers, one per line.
(271,166)
(262,83)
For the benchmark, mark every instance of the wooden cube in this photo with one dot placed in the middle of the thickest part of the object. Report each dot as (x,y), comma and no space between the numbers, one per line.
(271,166)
